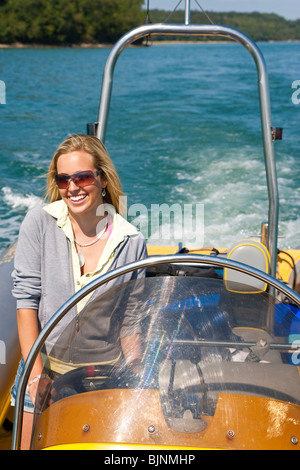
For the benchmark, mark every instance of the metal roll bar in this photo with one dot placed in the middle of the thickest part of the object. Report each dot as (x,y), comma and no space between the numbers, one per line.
(264,99)
(151,261)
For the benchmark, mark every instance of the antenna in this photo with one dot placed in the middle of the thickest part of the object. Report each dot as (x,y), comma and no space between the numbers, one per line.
(187,11)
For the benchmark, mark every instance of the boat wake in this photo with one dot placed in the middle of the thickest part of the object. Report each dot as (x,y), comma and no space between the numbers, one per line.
(19,201)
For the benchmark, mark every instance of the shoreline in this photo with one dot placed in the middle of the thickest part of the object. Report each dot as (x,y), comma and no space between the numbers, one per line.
(19,45)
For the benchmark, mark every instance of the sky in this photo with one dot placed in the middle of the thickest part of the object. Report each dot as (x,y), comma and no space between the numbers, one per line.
(289,9)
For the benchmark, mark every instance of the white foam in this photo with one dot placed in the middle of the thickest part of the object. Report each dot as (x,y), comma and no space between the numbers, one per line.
(290,233)
(20,201)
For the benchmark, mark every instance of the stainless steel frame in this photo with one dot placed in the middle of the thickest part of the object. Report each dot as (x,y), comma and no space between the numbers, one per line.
(264,98)
(151,261)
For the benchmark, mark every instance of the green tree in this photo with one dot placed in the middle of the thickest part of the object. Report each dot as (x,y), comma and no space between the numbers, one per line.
(67,21)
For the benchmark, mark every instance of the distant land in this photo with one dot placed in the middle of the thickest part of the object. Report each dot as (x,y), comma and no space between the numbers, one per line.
(97,22)
(259,26)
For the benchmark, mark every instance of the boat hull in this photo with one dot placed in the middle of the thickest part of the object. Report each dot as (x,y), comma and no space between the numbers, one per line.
(85,422)
(9,342)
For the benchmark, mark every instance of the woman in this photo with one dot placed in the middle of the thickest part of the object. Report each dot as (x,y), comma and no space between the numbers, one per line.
(66,244)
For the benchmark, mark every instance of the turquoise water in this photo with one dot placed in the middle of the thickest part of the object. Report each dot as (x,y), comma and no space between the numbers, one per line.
(184,128)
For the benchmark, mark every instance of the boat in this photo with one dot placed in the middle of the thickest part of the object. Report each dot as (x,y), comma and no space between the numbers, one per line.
(219,332)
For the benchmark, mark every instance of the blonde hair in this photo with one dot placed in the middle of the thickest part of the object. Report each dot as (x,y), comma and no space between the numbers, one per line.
(102,161)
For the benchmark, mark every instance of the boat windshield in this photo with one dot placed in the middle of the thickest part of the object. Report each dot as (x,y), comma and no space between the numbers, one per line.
(173,360)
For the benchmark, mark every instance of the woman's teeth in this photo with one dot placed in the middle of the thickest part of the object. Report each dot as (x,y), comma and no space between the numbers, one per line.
(77,198)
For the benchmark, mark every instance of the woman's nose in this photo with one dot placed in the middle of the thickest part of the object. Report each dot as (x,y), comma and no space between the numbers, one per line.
(72,186)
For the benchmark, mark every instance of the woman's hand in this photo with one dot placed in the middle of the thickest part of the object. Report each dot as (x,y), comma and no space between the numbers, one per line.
(39,389)
(132,350)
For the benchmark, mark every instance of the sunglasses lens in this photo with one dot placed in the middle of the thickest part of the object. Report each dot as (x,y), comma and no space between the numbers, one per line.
(84,179)
(62,181)
(81,179)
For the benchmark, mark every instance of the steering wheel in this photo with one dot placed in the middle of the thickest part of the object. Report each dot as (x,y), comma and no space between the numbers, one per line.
(90,378)
(84,379)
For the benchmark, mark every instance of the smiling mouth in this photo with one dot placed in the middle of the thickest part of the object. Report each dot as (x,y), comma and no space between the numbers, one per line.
(77,199)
